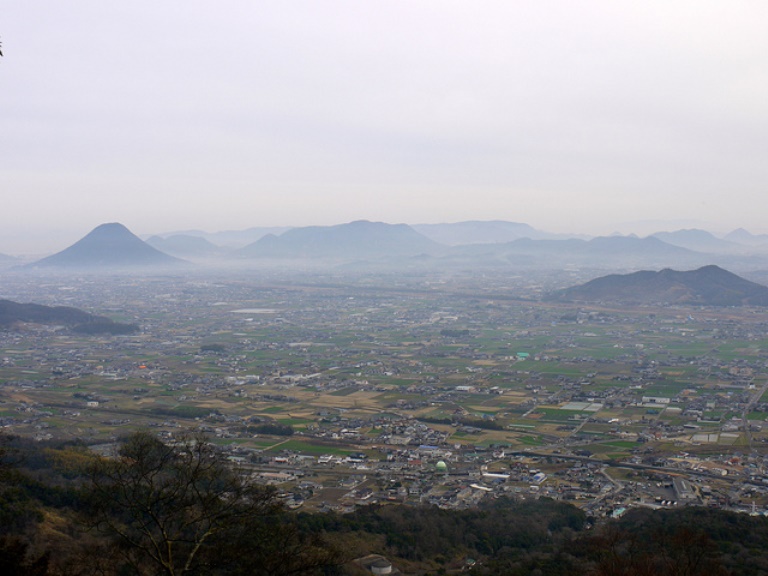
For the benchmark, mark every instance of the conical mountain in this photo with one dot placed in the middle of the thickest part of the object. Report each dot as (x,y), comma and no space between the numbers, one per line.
(108,246)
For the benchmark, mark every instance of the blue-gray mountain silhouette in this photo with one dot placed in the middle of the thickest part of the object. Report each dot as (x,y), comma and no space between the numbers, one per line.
(360,239)
(699,240)
(108,246)
(742,236)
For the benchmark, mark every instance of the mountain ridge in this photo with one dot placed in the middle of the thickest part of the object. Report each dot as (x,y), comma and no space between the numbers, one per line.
(358,239)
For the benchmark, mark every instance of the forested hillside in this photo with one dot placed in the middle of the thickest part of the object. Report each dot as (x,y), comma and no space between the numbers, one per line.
(154,508)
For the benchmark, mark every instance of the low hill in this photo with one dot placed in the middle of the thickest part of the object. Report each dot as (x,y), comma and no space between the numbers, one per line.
(706,286)
(360,239)
(79,321)
(108,246)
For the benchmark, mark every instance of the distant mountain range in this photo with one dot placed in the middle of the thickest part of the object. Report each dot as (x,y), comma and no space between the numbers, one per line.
(463,245)
(490,232)
(231,238)
(706,286)
(109,246)
(79,321)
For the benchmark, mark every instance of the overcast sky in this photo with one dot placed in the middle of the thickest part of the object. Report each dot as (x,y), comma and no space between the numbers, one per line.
(568,115)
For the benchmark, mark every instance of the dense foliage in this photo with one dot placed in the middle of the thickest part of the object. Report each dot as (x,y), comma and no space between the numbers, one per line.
(155,508)
(544,537)
(151,509)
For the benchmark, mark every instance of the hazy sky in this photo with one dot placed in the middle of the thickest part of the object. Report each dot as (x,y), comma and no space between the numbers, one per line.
(567,115)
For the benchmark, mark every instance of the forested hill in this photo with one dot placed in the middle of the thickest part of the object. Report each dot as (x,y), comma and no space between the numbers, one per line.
(64,510)
(706,286)
(77,320)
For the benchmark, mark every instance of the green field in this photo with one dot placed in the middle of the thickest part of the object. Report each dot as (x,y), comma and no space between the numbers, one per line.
(312,449)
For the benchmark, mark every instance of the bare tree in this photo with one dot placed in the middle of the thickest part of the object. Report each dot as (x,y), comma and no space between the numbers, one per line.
(164,504)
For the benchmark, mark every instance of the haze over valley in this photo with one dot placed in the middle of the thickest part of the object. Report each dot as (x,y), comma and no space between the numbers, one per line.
(349,288)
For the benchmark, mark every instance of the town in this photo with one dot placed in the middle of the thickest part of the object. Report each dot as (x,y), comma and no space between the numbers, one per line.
(344,389)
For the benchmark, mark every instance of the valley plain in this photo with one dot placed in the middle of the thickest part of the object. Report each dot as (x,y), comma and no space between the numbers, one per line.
(346,389)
